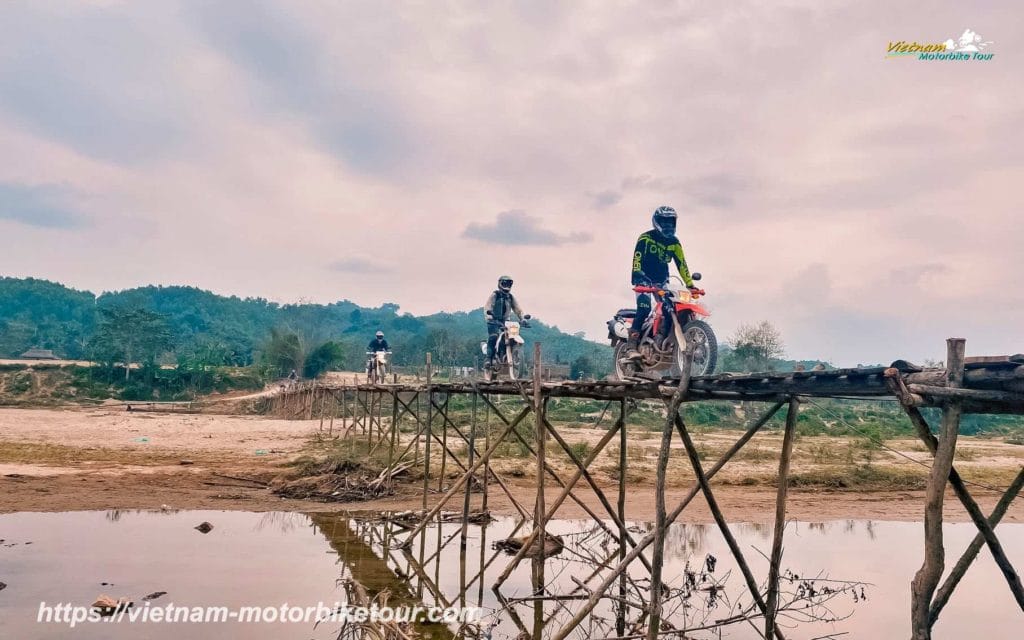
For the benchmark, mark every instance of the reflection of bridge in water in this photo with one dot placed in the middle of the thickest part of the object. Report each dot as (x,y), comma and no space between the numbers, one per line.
(447,427)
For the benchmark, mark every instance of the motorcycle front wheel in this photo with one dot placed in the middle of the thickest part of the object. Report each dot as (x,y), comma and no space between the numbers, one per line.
(705,348)
(513,362)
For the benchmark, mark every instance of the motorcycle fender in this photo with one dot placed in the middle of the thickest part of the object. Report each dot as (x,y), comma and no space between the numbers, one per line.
(518,340)
(694,307)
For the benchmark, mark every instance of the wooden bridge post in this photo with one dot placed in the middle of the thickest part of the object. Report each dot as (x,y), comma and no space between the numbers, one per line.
(469,485)
(541,435)
(620,616)
(922,588)
(661,516)
(772,600)
(430,433)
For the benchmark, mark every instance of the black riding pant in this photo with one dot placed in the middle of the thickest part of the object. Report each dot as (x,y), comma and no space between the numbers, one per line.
(493,329)
(643,309)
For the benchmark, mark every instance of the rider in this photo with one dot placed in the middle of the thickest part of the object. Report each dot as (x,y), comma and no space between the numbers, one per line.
(499,307)
(377,344)
(654,250)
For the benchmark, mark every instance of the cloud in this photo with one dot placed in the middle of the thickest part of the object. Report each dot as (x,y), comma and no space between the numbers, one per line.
(605,199)
(359,265)
(515,227)
(224,136)
(94,78)
(716,190)
(349,109)
(39,206)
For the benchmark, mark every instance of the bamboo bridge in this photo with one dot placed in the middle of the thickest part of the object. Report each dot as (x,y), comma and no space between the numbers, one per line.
(374,413)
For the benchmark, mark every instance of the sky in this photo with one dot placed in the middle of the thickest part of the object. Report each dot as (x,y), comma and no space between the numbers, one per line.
(412,152)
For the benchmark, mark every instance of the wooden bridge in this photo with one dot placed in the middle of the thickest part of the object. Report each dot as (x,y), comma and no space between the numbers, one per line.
(375,412)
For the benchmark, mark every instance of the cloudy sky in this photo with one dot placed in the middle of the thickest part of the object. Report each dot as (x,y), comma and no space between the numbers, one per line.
(412,152)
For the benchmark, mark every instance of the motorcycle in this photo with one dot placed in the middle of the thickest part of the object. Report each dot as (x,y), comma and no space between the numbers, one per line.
(674,322)
(508,350)
(377,366)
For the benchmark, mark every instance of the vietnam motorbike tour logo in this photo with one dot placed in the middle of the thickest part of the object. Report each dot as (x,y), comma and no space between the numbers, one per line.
(969,47)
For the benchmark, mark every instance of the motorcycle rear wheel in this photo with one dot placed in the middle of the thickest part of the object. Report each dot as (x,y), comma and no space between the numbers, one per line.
(622,371)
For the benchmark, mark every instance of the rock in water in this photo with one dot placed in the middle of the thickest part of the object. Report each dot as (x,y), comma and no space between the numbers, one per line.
(109,606)
(204,527)
(553,545)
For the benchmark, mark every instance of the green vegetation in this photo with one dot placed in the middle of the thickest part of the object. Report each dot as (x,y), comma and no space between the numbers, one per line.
(236,331)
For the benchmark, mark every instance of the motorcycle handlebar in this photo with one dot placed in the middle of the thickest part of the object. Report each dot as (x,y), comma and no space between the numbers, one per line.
(648,289)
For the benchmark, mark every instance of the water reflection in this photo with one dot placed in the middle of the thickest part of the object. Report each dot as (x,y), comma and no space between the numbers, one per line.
(269,558)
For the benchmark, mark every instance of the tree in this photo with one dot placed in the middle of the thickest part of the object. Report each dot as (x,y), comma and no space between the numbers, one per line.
(283,352)
(755,346)
(582,367)
(327,356)
(130,335)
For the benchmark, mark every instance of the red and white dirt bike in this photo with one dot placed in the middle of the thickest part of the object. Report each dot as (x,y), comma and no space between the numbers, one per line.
(674,321)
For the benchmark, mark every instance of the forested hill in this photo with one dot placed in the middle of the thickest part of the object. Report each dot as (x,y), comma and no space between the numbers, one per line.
(48,315)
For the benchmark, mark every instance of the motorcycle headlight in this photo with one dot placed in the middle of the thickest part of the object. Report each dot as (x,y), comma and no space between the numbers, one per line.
(513,331)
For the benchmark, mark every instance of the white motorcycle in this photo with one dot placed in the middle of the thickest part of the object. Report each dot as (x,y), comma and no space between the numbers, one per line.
(508,350)
(377,366)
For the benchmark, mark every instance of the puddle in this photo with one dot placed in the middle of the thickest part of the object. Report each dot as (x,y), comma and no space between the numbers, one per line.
(270,559)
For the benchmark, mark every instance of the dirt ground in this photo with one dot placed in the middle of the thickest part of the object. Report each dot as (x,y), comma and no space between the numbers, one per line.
(107,458)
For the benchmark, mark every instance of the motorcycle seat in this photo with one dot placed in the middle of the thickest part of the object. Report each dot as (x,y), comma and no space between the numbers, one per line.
(626,313)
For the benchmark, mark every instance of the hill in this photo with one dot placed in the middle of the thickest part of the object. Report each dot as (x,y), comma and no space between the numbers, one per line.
(40,313)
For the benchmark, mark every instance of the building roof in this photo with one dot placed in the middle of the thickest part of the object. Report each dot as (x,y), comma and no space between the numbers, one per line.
(40,354)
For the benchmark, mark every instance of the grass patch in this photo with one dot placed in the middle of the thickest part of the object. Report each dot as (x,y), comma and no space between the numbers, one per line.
(825,452)
(58,454)
(581,450)
(756,453)
(864,476)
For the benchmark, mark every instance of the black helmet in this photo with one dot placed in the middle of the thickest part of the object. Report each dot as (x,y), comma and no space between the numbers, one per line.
(664,220)
(505,283)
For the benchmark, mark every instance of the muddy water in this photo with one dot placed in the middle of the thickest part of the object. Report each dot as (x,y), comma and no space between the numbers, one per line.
(266,560)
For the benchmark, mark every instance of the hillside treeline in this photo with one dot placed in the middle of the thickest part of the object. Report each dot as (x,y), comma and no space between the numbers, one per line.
(189,323)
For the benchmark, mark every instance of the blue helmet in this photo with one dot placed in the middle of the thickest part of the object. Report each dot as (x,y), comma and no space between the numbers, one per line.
(664,220)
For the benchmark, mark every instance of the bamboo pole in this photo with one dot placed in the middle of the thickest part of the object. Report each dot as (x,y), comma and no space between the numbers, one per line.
(987,533)
(780,518)
(598,593)
(461,481)
(538,414)
(443,410)
(487,445)
(620,618)
(661,516)
(430,432)
(566,490)
(723,526)
(469,485)
(946,590)
(925,581)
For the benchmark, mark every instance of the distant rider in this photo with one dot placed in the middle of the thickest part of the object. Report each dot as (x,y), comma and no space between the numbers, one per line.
(377,344)
(499,307)
(654,250)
